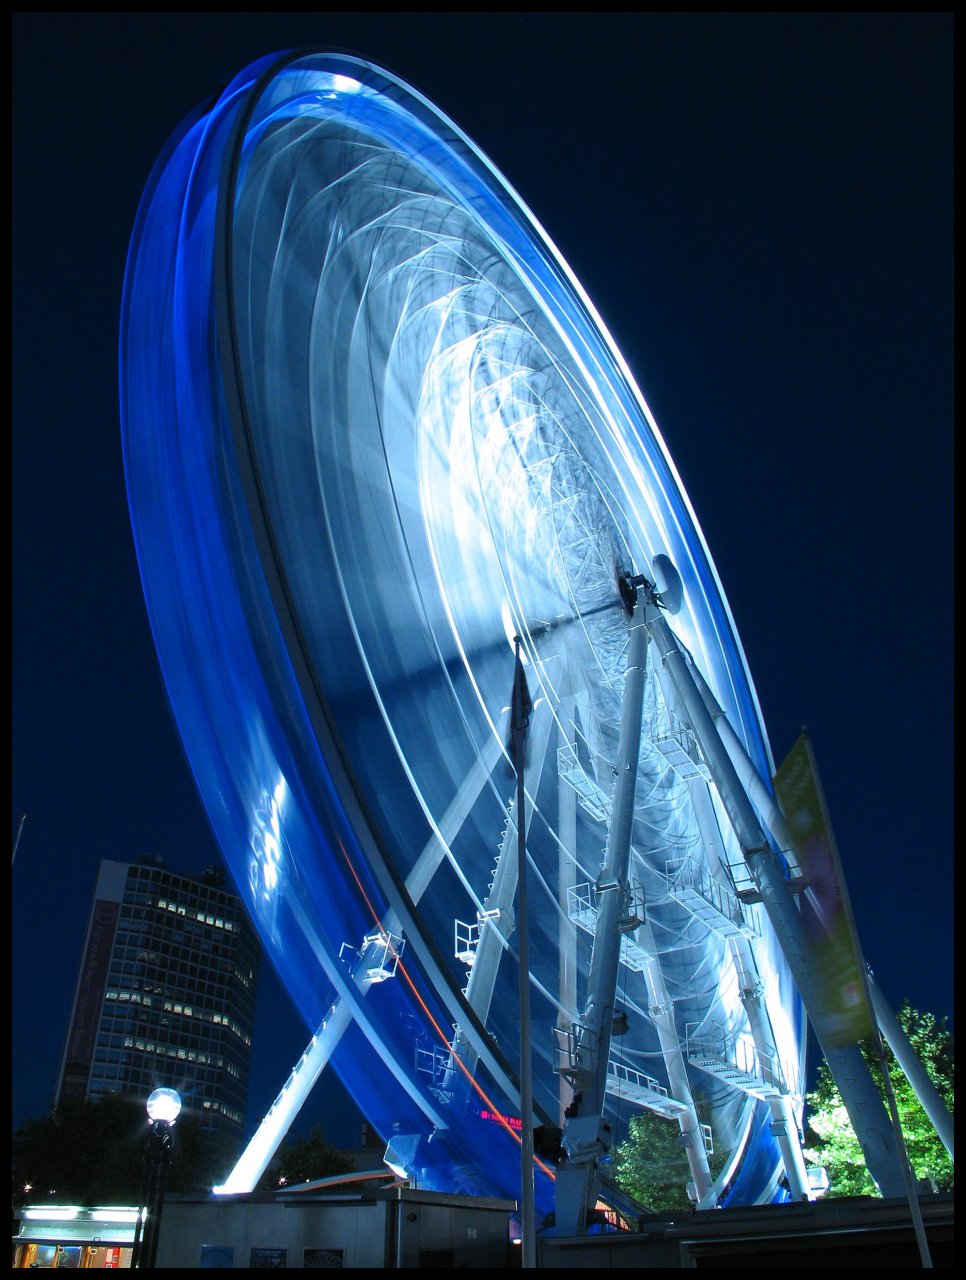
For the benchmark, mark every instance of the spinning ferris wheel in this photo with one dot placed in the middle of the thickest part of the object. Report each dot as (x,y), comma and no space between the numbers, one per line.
(378,444)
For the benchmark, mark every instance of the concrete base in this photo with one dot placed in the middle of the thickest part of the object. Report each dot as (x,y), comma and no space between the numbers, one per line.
(856,1232)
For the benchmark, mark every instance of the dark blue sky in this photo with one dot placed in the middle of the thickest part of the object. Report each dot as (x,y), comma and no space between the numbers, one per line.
(760,207)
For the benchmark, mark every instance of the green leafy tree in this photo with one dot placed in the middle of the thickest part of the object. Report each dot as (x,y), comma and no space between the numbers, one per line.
(303,1159)
(652,1165)
(830,1140)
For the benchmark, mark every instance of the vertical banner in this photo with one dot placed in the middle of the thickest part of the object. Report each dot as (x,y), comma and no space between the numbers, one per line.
(89,999)
(839,956)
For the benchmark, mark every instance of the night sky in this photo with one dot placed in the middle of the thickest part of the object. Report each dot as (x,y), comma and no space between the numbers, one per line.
(760,208)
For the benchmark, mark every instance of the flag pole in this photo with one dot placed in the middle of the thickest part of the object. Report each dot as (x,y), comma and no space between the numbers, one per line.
(519,718)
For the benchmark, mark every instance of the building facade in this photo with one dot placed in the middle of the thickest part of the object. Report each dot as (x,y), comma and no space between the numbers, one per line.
(357,1227)
(165,994)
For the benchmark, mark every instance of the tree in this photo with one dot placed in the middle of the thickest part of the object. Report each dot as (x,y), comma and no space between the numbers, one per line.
(830,1140)
(303,1159)
(92,1151)
(652,1165)
(85,1152)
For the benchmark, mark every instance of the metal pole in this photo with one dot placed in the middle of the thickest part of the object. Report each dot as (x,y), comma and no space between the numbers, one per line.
(566,876)
(528,1212)
(907,1058)
(16,842)
(907,1173)
(138,1242)
(137,1248)
(159,1150)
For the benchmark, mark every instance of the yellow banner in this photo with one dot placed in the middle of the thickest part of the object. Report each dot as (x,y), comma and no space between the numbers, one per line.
(838,955)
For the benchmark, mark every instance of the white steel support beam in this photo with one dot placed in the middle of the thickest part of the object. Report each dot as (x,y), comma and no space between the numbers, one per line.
(912,1067)
(886,1020)
(787,1129)
(662,1016)
(269,1135)
(495,933)
(585,1134)
(866,1110)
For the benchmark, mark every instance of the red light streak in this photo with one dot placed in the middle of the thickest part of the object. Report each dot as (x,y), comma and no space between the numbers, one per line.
(494,1113)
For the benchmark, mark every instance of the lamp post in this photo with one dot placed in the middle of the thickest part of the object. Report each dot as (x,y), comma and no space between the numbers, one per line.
(520,710)
(163,1107)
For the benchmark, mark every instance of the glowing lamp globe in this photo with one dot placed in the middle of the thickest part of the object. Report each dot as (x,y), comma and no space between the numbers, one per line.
(165,1105)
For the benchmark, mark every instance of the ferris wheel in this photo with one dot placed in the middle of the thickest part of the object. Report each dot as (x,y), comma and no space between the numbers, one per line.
(384,463)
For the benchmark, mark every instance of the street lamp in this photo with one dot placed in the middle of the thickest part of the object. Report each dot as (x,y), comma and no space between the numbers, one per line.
(163,1107)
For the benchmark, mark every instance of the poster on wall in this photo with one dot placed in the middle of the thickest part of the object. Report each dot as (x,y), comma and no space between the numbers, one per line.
(217,1255)
(267,1258)
(323,1257)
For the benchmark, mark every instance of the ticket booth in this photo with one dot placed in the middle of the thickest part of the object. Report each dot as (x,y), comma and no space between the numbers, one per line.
(78,1238)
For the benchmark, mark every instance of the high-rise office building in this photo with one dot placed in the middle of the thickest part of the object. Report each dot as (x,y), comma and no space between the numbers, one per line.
(165,994)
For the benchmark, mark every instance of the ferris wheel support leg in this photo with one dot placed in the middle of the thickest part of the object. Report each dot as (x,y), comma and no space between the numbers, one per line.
(271,1132)
(749,777)
(258,1155)
(662,1015)
(786,1122)
(784,1125)
(859,1093)
(499,921)
(586,1135)
(886,1020)
(915,1073)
